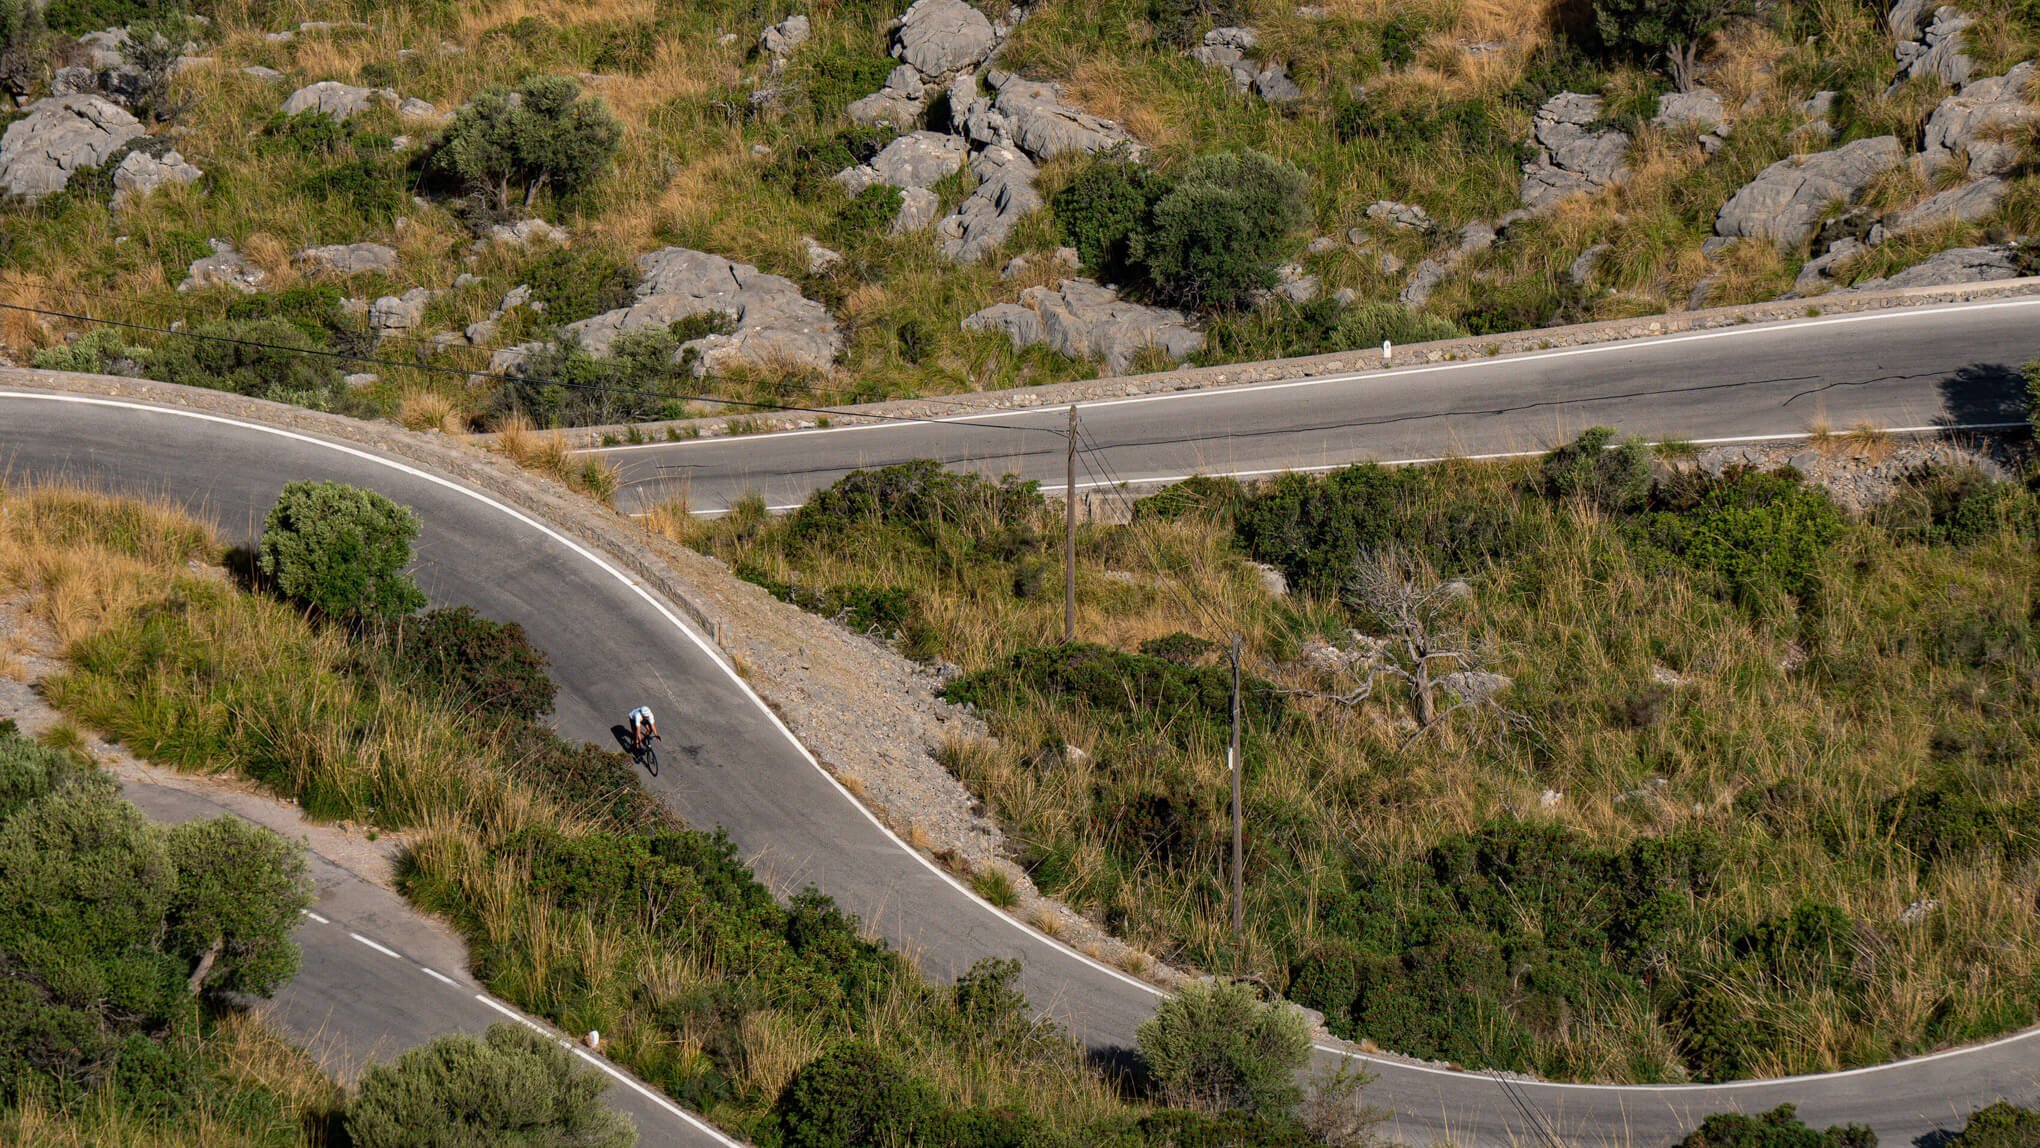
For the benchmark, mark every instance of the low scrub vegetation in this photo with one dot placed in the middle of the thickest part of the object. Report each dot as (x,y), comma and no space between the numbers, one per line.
(1599,767)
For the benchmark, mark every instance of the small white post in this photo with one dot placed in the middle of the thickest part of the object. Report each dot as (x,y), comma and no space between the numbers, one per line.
(1386,351)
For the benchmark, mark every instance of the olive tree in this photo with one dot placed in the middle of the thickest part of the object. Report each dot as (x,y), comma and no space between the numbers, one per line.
(240,889)
(542,135)
(1217,235)
(342,551)
(1669,29)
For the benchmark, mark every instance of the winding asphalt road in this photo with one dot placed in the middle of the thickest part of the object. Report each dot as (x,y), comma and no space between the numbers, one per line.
(1916,367)
(750,776)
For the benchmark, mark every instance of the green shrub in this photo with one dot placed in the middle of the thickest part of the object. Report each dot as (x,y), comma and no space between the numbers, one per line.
(1128,691)
(1946,820)
(1956,506)
(562,384)
(1102,207)
(855,1094)
(24,48)
(548,137)
(29,771)
(1469,128)
(341,550)
(459,655)
(260,358)
(1180,23)
(76,17)
(2030,372)
(2001,1125)
(920,498)
(1319,327)
(1614,479)
(1778,1128)
(1218,1046)
(868,213)
(1217,235)
(988,996)
(511,1086)
(883,611)
(1189,1129)
(807,169)
(99,351)
(589,781)
(1666,31)
(832,75)
(1756,534)
(1217,498)
(577,283)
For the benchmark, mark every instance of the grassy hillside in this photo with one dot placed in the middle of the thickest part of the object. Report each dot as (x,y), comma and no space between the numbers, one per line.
(1426,104)
(1756,795)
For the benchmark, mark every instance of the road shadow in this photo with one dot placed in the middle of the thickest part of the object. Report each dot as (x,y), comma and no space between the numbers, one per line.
(1938,1138)
(1982,393)
(622,736)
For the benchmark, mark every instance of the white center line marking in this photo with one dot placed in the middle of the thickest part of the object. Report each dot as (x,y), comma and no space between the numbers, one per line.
(316,917)
(436,975)
(383,949)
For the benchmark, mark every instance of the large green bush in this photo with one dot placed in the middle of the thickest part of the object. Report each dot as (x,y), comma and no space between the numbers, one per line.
(1667,32)
(1217,235)
(1217,1046)
(512,1086)
(852,1095)
(1593,468)
(1778,1128)
(918,497)
(262,358)
(544,136)
(1102,207)
(2000,1125)
(239,892)
(1757,535)
(637,378)
(1957,506)
(460,655)
(577,283)
(1131,692)
(341,550)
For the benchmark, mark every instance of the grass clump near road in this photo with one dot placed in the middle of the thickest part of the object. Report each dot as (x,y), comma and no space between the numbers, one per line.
(1597,767)
(582,899)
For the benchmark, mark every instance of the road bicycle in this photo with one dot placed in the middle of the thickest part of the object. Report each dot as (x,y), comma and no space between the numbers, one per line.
(643,754)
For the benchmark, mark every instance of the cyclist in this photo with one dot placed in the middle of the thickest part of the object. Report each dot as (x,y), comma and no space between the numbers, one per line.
(643,728)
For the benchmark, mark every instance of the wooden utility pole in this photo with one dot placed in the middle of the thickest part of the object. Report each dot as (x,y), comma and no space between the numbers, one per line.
(1239,901)
(1070,534)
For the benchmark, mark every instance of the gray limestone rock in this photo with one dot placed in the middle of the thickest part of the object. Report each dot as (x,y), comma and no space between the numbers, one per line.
(1474,238)
(524,233)
(1570,158)
(1294,284)
(1700,108)
(481,332)
(1582,268)
(1786,201)
(225,267)
(349,259)
(1967,203)
(261,73)
(141,173)
(1084,320)
(59,136)
(1033,116)
(394,314)
(337,100)
(417,109)
(774,324)
(1231,48)
(785,36)
(1423,281)
(1815,274)
(898,104)
(1959,265)
(1408,216)
(918,209)
(941,37)
(1005,192)
(820,260)
(1985,122)
(1937,51)
(919,159)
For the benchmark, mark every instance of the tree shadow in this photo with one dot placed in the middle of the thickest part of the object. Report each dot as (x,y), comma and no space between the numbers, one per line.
(1982,393)
(1124,1071)
(240,564)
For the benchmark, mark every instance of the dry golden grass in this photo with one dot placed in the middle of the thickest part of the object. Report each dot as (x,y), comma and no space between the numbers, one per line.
(429,410)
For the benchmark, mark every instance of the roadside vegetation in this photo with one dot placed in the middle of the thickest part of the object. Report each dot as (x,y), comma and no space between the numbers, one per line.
(1599,767)
(636,127)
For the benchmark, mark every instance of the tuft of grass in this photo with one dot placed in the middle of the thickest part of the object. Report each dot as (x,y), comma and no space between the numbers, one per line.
(995,886)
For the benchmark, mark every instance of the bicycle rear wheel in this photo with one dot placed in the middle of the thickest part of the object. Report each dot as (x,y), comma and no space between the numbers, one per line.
(652,760)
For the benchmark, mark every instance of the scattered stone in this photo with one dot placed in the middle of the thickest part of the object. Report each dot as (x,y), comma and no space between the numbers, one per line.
(1700,108)
(140,174)
(1345,296)
(59,136)
(1389,263)
(785,36)
(1815,273)
(1272,579)
(1936,51)
(1804,462)
(1968,203)
(1476,685)
(1085,320)
(393,315)
(1474,238)
(515,297)
(1958,265)
(982,222)
(1030,115)
(1423,281)
(1786,201)
(1230,48)
(1666,676)
(525,233)
(1408,216)
(1294,284)
(225,267)
(349,259)
(918,209)
(261,73)
(339,101)
(1918,911)
(820,260)
(1570,159)
(939,38)
(417,109)
(1649,790)
(1582,268)
(1986,121)
(361,380)
(1323,244)
(482,332)
(1550,799)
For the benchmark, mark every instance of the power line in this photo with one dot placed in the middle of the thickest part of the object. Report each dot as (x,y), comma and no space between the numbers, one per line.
(315,352)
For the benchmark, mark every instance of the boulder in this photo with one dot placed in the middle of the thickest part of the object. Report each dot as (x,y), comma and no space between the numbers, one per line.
(917,159)
(774,324)
(1031,116)
(525,232)
(141,173)
(1085,320)
(1231,48)
(1985,121)
(1476,685)
(1937,51)
(898,104)
(918,209)
(1408,216)
(785,36)
(261,73)
(1966,203)
(395,314)
(225,267)
(1700,108)
(417,109)
(1293,284)
(1423,281)
(820,260)
(1005,192)
(1815,273)
(59,136)
(1570,158)
(349,259)
(939,38)
(339,101)
(1959,265)
(1582,268)
(1787,199)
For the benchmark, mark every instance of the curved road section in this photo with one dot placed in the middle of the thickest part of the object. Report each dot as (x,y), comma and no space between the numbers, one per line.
(1914,368)
(615,644)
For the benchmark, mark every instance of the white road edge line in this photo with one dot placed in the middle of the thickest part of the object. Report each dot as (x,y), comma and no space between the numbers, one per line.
(709,649)
(1784,327)
(383,949)
(442,978)
(316,917)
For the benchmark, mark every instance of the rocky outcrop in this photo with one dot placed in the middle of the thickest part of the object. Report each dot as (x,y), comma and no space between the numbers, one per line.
(898,104)
(225,267)
(524,233)
(1930,46)
(785,36)
(1699,110)
(339,101)
(349,259)
(772,323)
(1985,122)
(1967,203)
(140,173)
(915,160)
(939,38)
(1581,271)
(1815,273)
(1084,320)
(820,260)
(1408,216)
(1030,115)
(1959,265)
(1786,201)
(1572,158)
(1231,49)
(1005,192)
(394,315)
(59,137)
(918,209)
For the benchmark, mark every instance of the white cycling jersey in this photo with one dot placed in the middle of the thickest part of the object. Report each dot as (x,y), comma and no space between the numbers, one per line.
(641,716)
